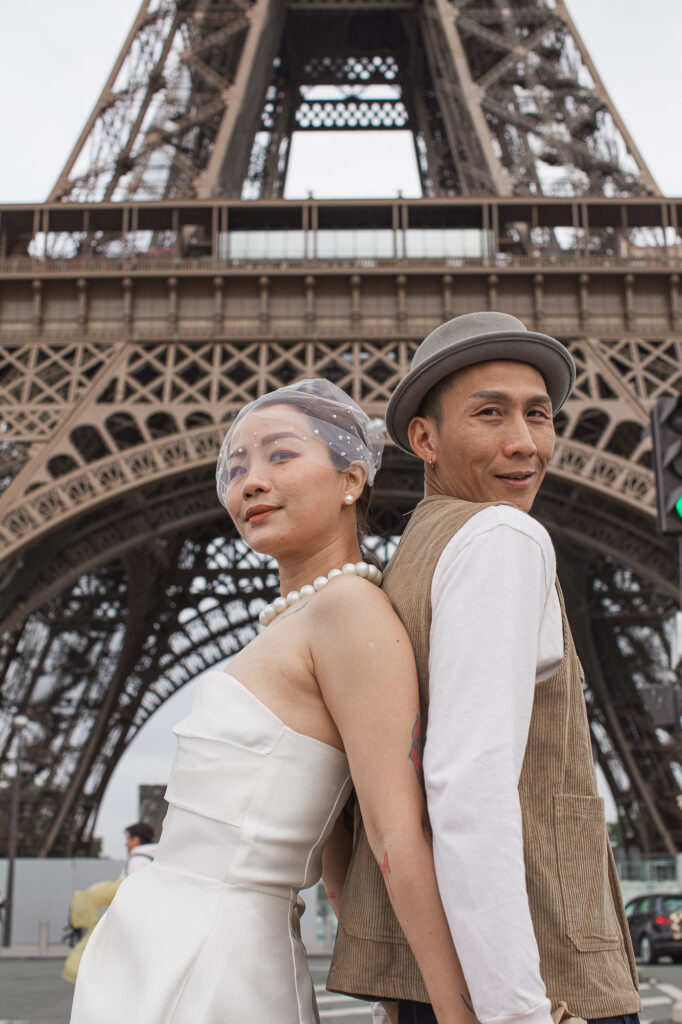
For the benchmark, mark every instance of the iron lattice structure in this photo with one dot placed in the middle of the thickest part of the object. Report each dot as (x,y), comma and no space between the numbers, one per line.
(501,98)
(151,297)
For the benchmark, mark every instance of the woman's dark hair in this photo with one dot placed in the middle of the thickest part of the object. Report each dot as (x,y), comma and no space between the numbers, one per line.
(322,412)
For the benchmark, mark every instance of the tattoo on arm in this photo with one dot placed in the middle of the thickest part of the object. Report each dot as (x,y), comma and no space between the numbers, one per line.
(385,868)
(416,750)
(467,1004)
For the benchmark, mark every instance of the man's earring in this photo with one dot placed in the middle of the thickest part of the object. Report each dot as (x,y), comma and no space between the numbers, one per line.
(348,499)
(431,460)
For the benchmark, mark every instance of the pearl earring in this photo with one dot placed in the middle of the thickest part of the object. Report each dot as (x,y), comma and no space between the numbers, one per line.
(348,499)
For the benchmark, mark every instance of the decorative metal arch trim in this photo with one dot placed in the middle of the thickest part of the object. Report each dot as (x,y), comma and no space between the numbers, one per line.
(84,489)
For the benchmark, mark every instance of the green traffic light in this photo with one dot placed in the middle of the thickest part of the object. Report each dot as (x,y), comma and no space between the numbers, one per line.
(678,506)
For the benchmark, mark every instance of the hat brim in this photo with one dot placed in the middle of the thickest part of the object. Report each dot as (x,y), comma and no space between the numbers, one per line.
(548,356)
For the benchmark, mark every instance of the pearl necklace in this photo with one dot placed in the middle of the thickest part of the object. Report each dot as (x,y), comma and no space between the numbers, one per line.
(364,569)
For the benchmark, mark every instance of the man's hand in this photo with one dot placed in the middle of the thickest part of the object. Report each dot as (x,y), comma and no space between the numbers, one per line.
(562,1015)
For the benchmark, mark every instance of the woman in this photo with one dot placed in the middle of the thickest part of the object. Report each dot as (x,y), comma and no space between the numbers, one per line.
(208,934)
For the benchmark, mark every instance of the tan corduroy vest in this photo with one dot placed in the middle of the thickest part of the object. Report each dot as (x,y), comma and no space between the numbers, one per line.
(586,956)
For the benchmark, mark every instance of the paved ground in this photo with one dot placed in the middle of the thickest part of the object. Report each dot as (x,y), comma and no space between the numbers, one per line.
(32,992)
(660,987)
(335,1009)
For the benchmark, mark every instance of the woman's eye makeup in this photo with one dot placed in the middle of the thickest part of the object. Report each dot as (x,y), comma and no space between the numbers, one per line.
(234,472)
(282,454)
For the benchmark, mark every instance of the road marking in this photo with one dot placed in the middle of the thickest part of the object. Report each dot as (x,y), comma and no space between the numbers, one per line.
(344,1006)
(656,1001)
(671,990)
(329,998)
(352,1011)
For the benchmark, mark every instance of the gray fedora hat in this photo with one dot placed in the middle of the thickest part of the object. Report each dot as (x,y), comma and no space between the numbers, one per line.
(477,338)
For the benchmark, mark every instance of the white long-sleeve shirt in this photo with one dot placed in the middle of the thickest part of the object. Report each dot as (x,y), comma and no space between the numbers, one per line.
(496,630)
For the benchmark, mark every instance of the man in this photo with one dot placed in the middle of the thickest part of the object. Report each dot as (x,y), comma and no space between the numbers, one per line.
(141,849)
(524,866)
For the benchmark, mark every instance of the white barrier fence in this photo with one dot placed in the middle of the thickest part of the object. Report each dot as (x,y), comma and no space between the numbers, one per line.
(43,890)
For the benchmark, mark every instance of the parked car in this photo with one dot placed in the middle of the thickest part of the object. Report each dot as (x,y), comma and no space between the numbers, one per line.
(655,922)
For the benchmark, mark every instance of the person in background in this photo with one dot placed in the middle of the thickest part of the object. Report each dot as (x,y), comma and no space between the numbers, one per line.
(87,904)
(141,849)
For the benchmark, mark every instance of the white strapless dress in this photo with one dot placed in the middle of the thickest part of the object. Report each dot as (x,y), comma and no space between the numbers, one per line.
(209,933)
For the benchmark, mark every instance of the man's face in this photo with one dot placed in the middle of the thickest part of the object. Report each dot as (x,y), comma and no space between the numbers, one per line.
(131,842)
(496,435)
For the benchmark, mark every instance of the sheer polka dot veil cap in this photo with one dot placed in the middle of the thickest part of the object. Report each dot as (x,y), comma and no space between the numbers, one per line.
(334,419)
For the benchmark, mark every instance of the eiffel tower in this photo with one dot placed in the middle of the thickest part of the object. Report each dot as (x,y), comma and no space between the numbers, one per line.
(166,282)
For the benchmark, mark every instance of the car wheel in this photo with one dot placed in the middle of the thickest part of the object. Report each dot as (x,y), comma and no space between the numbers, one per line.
(646,952)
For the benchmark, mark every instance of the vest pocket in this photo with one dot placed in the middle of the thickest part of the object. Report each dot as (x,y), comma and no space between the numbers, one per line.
(580,837)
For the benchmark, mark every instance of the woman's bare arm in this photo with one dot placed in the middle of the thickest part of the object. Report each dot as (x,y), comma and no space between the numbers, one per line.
(365,667)
(335,860)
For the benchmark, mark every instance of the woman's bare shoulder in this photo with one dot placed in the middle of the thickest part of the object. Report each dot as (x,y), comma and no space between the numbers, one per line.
(355,635)
(352,600)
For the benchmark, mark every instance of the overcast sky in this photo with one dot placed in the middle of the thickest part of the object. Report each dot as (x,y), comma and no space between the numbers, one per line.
(54,60)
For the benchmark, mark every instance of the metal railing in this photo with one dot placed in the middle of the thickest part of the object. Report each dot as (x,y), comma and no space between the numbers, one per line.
(663,259)
(646,869)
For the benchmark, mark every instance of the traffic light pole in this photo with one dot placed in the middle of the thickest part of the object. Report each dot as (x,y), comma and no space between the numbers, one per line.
(666,437)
